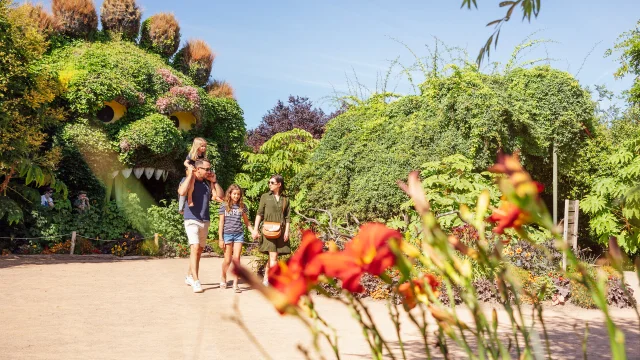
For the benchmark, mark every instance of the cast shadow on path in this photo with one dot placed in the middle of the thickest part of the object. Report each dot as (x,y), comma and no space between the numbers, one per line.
(565,342)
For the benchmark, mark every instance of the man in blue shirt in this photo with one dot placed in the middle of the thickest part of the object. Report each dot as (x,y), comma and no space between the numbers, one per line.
(196,217)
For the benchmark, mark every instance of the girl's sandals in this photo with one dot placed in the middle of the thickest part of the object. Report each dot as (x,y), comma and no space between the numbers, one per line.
(223,284)
(237,290)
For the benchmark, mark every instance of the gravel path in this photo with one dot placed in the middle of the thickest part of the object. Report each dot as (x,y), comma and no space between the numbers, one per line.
(84,307)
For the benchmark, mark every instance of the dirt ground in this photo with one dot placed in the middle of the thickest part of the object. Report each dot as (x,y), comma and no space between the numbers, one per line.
(84,307)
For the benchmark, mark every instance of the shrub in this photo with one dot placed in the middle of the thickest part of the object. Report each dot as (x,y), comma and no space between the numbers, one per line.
(528,256)
(166,221)
(75,18)
(108,222)
(195,59)
(222,89)
(580,296)
(46,22)
(616,295)
(161,34)
(149,248)
(487,290)
(121,16)
(444,294)
(149,140)
(180,98)
(376,142)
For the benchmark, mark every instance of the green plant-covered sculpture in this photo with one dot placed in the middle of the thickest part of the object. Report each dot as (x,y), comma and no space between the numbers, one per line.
(130,115)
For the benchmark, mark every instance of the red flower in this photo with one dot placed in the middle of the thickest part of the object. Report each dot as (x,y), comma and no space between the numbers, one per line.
(369,251)
(517,177)
(411,296)
(508,216)
(293,278)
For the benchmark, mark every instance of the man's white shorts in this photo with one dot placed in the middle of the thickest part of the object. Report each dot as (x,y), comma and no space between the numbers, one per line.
(197,232)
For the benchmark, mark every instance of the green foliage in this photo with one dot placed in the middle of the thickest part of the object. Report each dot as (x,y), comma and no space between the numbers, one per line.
(160,34)
(614,202)
(450,183)
(463,111)
(581,296)
(10,209)
(98,222)
(95,72)
(629,44)
(149,248)
(25,112)
(87,141)
(227,130)
(528,8)
(285,154)
(166,221)
(135,214)
(149,141)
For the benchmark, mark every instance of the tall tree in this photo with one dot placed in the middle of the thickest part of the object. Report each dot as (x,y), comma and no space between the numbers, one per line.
(628,45)
(25,95)
(299,113)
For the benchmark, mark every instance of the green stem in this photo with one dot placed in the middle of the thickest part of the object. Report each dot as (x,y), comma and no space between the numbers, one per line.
(395,317)
(379,340)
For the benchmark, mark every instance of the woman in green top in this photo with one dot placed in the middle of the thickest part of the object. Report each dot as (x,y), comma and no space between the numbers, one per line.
(274,206)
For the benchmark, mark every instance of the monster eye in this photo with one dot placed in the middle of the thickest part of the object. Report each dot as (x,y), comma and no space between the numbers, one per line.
(111,111)
(183,120)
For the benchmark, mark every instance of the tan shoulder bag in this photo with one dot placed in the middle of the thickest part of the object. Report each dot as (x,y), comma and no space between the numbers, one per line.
(273,230)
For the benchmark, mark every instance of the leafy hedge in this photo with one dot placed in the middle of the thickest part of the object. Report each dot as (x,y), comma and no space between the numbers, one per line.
(373,144)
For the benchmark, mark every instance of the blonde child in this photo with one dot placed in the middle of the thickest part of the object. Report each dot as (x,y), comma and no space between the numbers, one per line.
(198,152)
(232,213)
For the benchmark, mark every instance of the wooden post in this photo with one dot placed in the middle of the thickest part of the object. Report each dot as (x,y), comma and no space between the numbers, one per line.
(565,232)
(73,242)
(574,232)
(155,238)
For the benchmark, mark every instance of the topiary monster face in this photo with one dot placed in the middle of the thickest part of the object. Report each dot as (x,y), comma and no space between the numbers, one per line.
(132,118)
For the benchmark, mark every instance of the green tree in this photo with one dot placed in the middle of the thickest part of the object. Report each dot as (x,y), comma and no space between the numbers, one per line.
(614,202)
(285,154)
(528,8)
(25,113)
(461,111)
(629,46)
(448,184)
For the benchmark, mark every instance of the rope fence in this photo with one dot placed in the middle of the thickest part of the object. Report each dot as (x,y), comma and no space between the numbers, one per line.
(74,235)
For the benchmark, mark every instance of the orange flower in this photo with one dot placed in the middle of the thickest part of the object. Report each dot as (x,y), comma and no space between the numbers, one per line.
(293,278)
(369,251)
(414,290)
(520,179)
(508,216)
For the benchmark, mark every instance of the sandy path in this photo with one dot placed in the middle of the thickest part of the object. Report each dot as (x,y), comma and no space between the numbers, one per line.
(63,307)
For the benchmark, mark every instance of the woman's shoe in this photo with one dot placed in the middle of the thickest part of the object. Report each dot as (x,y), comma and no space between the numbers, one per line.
(223,284)
(237,290)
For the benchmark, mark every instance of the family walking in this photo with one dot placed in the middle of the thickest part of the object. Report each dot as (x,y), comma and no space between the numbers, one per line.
(199,187)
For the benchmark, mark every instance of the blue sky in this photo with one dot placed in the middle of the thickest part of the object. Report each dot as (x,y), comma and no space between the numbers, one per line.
(268,50)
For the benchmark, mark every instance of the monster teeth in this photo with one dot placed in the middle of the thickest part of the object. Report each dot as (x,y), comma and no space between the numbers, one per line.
(126,173)
(165,174)
(114,174)
(158,173)
(138,172)
(148,172)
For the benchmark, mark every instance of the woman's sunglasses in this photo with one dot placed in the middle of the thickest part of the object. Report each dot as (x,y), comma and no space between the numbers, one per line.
(272,182)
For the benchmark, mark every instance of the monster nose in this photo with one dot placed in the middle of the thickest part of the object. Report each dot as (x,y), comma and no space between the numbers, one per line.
(152,136)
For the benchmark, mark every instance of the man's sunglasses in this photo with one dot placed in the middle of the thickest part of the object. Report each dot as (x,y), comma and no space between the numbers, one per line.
(208,169)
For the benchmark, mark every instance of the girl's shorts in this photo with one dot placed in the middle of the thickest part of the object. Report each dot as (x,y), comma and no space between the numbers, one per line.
(233,238)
